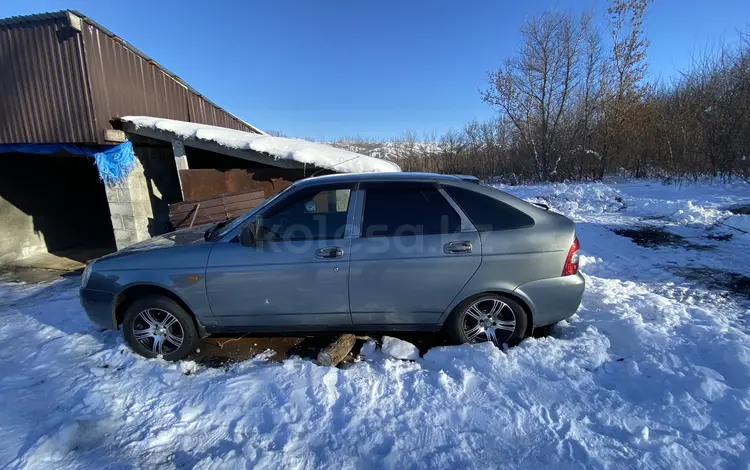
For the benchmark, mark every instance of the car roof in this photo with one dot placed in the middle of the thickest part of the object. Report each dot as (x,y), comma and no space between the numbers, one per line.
(393,176)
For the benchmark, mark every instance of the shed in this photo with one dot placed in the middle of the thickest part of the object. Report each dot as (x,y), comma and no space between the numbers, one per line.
(80,105)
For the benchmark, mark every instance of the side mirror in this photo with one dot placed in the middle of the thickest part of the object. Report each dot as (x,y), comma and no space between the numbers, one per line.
(247,235)
(311,206)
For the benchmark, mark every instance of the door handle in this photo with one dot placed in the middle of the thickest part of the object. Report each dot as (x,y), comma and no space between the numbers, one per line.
(453,248)
(329,252)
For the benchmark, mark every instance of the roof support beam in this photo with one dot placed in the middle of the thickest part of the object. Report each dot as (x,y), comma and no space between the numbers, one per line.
(180,162)
(245,154)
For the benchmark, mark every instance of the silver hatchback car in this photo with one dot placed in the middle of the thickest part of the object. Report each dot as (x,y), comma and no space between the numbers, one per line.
(355,252)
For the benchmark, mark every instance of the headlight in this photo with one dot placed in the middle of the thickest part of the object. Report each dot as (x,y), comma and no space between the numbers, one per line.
(86,274)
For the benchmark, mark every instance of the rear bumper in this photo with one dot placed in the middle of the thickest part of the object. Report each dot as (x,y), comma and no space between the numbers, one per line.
(552,300)
(98,307)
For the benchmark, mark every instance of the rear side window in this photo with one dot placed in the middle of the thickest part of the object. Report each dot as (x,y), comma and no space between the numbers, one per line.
(487,213)
(403,209)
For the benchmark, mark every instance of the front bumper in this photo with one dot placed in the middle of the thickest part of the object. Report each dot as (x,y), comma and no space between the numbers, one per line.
(99,307)
(554,299)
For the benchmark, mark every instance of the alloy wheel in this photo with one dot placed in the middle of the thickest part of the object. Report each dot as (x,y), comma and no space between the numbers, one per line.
(158,331)
(489,319)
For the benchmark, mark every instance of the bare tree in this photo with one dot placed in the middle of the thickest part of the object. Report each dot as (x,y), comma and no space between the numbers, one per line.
(628,59)
(533,89)
(570,108)
(589,107)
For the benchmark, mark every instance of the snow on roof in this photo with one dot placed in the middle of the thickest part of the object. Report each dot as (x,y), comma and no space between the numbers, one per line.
(319,155)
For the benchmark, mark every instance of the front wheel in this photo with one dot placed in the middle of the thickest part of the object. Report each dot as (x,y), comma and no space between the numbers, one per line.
(156,326)
(489,317)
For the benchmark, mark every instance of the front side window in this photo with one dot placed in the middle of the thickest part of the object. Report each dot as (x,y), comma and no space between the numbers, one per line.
(403,209)
(317,213)
(241,220)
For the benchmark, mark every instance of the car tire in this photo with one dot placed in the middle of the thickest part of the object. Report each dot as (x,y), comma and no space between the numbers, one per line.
(157,326)
(471,320)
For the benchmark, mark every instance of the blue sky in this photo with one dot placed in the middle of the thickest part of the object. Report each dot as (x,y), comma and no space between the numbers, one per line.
(342,68)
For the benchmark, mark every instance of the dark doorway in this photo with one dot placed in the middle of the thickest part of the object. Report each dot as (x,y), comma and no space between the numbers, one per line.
(57,201)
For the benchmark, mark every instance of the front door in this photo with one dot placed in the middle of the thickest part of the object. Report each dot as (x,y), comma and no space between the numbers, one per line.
(297,276)
(414,254)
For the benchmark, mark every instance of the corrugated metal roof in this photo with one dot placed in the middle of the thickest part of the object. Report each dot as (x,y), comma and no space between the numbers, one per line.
(38,17)
(123,82)
(57,83)
(63,14)
(43,83)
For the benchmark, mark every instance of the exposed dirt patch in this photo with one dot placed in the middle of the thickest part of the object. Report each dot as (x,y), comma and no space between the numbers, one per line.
(716,279)
(30,275)
(740,209)
(654,237)
(224,350)
(724,237)
(650,237)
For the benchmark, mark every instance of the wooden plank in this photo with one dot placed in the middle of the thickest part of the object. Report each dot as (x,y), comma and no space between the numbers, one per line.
(184,223)
(179,219)
(195,213)
(209,210)
(249,196)
(181,207)
(243,206)
(246,205)
(235,213)
(212,214)
(200,218)
(207,220)
(188,206)
(214,209)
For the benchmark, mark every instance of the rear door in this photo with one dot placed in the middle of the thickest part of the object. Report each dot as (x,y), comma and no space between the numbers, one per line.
(414,253)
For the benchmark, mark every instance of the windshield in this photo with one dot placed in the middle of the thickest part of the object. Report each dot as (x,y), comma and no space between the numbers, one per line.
(247,215)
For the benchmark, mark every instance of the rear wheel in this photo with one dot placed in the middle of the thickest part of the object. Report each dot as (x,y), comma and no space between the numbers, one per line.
(156,326)
(488,317)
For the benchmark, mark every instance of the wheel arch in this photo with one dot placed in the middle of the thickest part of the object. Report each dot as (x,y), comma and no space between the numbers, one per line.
(129,294)
(520,300)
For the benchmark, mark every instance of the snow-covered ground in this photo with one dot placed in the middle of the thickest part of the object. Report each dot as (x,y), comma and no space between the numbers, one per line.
(653,371)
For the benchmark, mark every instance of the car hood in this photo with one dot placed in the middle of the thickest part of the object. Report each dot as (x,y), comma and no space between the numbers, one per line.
(188,236)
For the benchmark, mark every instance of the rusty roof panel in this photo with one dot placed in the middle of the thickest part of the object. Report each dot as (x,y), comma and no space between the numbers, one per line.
(202,111)
(43,84)
(124,83)
(61,85)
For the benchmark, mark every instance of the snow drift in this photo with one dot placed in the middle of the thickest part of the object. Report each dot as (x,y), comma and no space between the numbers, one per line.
(653,372)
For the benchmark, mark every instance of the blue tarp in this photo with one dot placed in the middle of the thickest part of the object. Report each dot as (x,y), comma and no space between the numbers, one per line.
(114,163)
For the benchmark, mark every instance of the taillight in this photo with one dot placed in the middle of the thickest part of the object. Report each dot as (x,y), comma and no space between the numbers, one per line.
(571,262)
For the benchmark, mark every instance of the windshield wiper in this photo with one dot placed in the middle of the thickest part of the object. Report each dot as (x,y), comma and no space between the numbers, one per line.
(209,233)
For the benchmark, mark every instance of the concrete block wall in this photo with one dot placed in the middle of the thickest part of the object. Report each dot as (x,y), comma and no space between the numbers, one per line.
(44,200)
(130,208)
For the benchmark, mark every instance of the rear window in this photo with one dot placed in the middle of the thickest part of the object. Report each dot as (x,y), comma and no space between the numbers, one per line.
(487,213)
